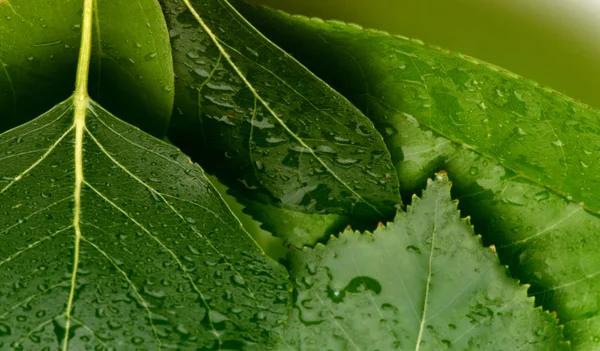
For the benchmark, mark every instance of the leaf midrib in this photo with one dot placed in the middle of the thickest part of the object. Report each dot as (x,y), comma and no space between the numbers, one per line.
(80,100)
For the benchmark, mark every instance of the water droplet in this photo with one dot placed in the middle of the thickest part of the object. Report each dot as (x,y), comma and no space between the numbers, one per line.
(190,220)
(346,161)
(326,149)
(520,131)
(542,195)
(150,56)
(300,149)
(136,340)
(558,143)
(583,164)
(182,330)
(4,329)
(264,124)
(412,248)
(237,280)
(473,171)
(217,317)
(201,72)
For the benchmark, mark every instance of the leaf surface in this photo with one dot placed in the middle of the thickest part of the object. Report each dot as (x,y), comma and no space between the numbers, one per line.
(112,239)
(424,282)
(266,125)
(523,157)
(131,72)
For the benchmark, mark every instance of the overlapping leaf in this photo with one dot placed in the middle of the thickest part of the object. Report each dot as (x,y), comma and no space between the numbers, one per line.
(132,71)
(524,158)
(266,125)
(424,282)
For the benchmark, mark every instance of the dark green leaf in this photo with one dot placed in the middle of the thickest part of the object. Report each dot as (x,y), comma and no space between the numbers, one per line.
(523,157)
(266,125)
(424,282)
(131,74)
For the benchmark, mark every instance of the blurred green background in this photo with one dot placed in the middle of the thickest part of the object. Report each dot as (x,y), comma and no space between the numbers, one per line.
(555,42)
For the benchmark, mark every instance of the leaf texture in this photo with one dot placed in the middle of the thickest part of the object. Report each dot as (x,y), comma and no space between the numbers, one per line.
(424,282)
(131,73)
(523,157)
(266,125)
(112,239)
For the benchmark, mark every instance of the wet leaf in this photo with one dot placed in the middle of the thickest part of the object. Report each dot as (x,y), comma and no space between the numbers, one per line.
(131,73)
(102,249)
(266,125)
(523,157)
(423,282)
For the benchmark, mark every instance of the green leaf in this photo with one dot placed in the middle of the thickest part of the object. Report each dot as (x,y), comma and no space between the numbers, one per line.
(424,282)
(523,157)
(112,239)
(266,125)
(131,73)
(296,228)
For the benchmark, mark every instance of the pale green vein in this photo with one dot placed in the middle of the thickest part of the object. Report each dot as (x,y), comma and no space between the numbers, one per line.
(17,345)
(80,104)
(171,207)
(577,209)
(23,154)
(32,297)
(373,303)
(37,162)
(166,249)
(12,90)
(520,174)
(399,275)
(133,287)
(33,245)
(276,77)
(7,3)
(429,274)
(250,87)
(338,325)
(32,122)
(90,331)
(7,229)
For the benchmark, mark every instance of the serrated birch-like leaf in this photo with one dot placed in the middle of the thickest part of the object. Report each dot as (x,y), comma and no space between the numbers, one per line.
(112,239)
(522,157)
(131,72)
(266,125)
(424,282)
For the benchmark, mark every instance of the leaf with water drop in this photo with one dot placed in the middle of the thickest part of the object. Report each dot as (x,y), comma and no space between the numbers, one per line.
(131,73)
(523,158)
(423,282)
(266,125)
(112,239)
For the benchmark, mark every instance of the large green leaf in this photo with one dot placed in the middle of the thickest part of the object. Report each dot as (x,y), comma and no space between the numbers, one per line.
(523,157)
(424,282)
(131,74)
(112,239)
(266,125)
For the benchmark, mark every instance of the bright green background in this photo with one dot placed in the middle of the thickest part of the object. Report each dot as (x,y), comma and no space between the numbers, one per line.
(556,42)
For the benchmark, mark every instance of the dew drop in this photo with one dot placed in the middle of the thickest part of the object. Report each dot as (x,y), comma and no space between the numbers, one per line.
(473,171)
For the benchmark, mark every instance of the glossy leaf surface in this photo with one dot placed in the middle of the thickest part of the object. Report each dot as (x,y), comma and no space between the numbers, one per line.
(523,157)
(424,282)
(112,239)
(131,74)
(266,125)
